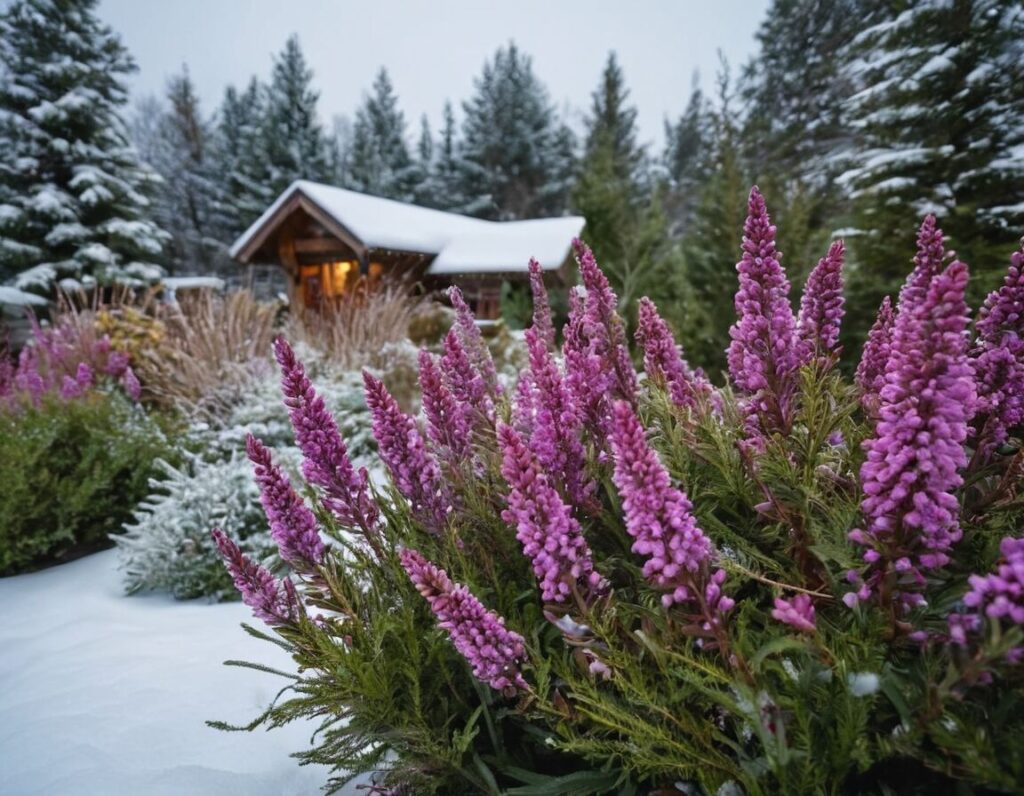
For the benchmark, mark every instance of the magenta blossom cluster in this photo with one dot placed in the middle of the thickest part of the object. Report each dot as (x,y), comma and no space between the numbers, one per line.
(911,472)
(326,462)
(798,612)
(821,307)
(292,524)
(494,652)
(542,321)
(404,453)
(928,263)
(870,376)
(659,517)
(999,359)
(998,596)
(663,361)
(449,424)
(469,387)
(271,600)
(551,537)
(472,340)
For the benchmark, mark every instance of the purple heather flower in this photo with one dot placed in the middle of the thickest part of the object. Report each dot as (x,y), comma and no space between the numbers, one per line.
(468,387)
(870,377)
(998,596)
(494,652)
(587,374)
(292,524)
(326,463)
(541,306)
(76,387)
(523,403)
(664,363)
(604,329)
(821,307)
(798,612)
(448,423)
(551,536)
(404,453)
(117,363)
(927,264)
(910,473)
(130,384)
(999,359)
(555,438)
(763,351)
(658,516)
(472,339)
(271,600)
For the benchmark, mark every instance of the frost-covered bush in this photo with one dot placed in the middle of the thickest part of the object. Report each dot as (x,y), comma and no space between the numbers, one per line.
(70,473)
(592,582)
(167,545)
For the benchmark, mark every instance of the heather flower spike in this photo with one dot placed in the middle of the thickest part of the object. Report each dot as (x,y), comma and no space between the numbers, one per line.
(541,305)
(469,389)
(292,524)
(658,516)
(448,425)
(326,463)
(927,264)
(404,453)
(870,376)
(663,362)
(821,307)
(798,612)
(551,537)
(998,596)
(472,339)
(271,600)
(494,652)
(911,512)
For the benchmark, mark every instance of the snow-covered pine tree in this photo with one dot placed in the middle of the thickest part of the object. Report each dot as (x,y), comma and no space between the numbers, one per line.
(293,138)
(938,115)
(73,200)
(613,194)
(425,189)
(446,176)
(379,160)
(516,157)
(685,160)
(187,203)
(240,157)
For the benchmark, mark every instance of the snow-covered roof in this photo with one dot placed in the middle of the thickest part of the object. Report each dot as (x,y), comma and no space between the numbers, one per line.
(192,282)
(461,244)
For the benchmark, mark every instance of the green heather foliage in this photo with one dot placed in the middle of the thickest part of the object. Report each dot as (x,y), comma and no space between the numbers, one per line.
(802,680)
(72,472)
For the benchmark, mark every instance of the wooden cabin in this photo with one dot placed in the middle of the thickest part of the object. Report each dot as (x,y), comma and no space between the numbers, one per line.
(326,238)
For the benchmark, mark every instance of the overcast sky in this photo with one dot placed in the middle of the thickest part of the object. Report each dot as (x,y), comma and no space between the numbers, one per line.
(433,50)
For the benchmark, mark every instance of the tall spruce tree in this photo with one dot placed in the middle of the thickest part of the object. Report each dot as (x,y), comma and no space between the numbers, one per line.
(177,142)
(939,120)
(293,138)
(685,160)
(516,156)
(379,160)
(240,158)
(446,175)
(73,198)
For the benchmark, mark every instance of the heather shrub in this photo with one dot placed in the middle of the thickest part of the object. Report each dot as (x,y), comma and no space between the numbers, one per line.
(597,581)
(72,471)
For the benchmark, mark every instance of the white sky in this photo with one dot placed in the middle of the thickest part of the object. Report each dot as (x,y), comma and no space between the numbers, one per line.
(433,50)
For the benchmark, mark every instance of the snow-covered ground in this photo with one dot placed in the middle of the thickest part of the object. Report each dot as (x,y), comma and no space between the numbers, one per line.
(106,694)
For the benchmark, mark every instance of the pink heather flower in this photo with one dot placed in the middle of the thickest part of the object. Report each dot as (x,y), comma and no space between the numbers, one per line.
(472,339)
(468,387)
(658,516)
(326,463)
(716,604)
(494,652)
(130,384)
(523,404)
(76,387)
(551,537)
(271,600)
(997,596)
(555,438)
(414,470)
(448,423)
(604,329)
(292,524)
(913,459)
(927,264)
(664,363)
(117,363)
(821,307)
(870,377)
(999,359)
(798,612)
(763,352)
(541,306)
(587,374)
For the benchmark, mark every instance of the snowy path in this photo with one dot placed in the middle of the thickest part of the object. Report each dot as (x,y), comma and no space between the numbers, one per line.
(106,694)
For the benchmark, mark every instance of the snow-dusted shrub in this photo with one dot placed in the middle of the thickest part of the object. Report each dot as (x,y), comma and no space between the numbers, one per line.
(167,545)
(595,583)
